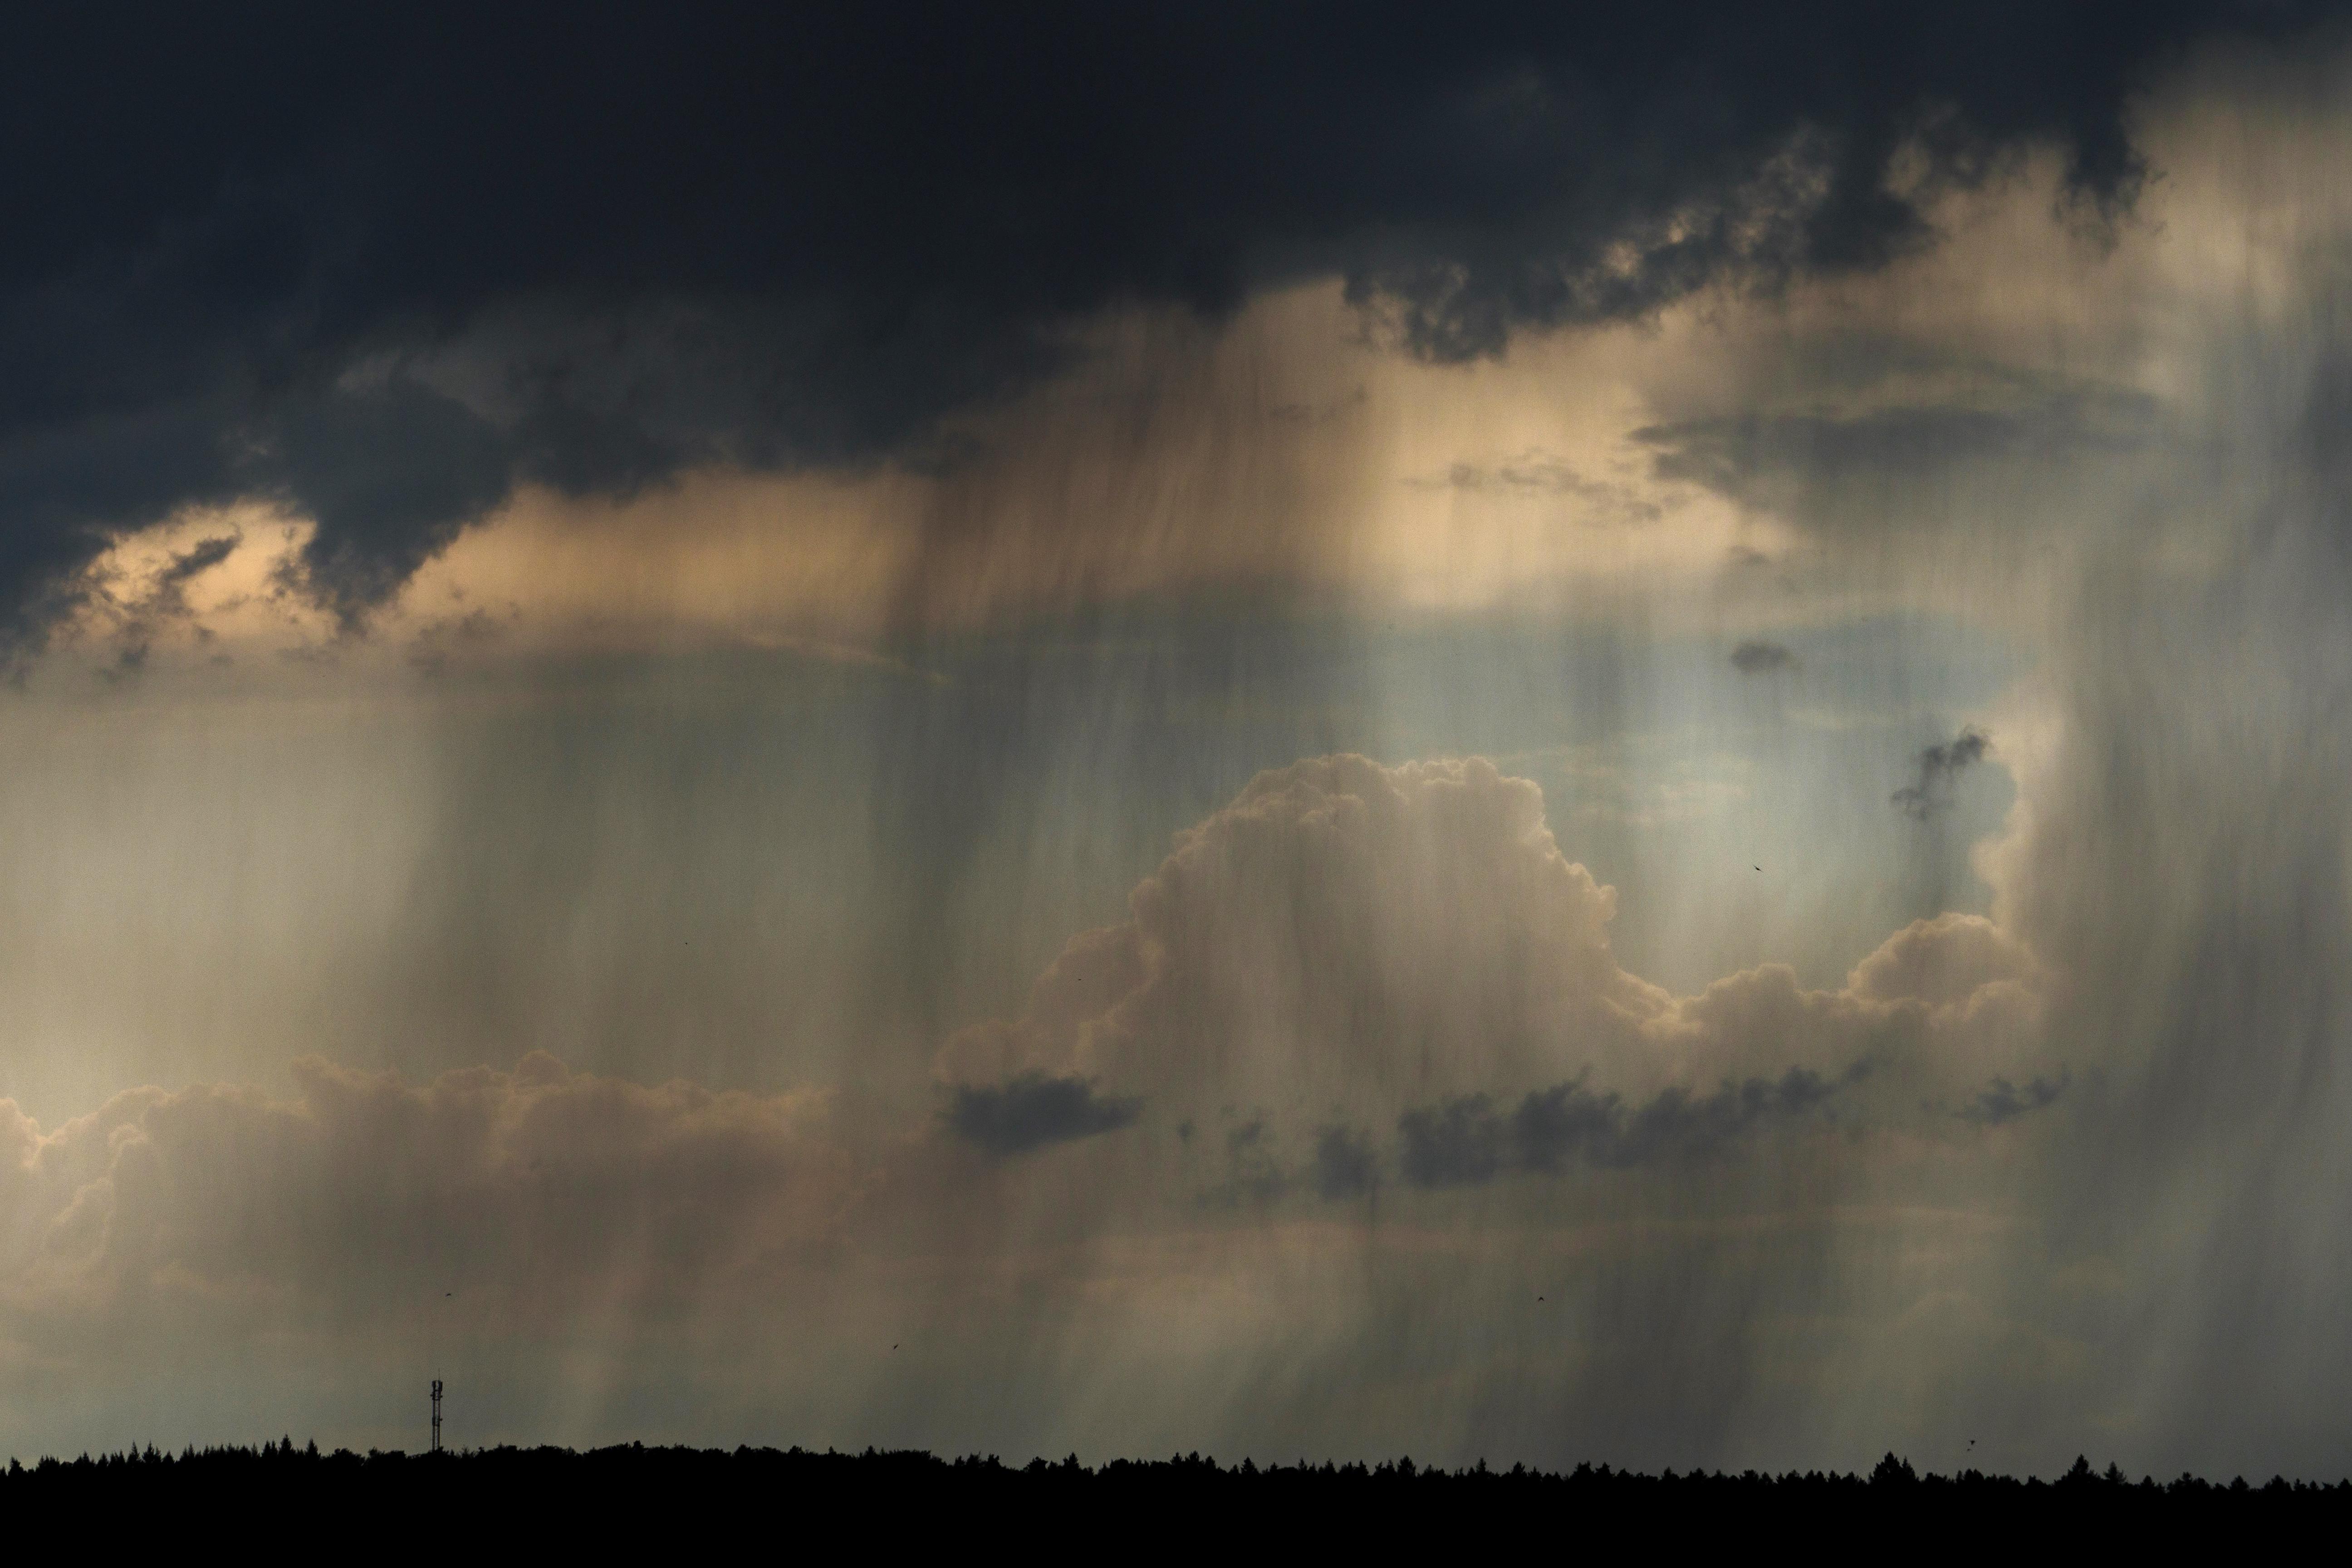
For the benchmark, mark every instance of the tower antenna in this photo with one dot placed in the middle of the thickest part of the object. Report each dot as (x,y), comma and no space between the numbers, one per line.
(437,1414)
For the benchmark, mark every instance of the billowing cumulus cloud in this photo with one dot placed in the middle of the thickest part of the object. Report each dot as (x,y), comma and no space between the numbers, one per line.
(1343,932)
(1404,946)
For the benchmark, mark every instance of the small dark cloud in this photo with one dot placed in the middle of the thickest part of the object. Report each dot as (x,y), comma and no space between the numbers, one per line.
(1255,1171)
(434,645)
(1931,791)
(1471,1140)
(1460,1142)
(2005,1101)
(1033,1110)
(129,664)
(1761,657)
(1345,1164)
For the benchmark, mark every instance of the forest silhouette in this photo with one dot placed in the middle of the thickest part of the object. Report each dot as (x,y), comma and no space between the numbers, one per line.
(600,1496)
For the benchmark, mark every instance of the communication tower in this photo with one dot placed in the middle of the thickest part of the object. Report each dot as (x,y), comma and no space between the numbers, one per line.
(437,1414)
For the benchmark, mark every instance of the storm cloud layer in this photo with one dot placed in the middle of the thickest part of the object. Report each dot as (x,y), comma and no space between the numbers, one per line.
(378,266)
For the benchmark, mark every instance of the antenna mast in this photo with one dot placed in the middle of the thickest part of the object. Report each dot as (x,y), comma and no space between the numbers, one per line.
(437,1414)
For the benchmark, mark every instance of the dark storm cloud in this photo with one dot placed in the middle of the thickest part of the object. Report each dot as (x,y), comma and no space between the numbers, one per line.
(2002,1100)
(391,475)
(1761,658)
(1471,1140)
(1931,791)
(382,262)
(1033,1110)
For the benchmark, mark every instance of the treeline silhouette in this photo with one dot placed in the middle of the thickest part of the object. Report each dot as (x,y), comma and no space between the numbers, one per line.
(602,1496)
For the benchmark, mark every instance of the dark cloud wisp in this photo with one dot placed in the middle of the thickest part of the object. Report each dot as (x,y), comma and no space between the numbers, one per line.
(1761,657)
(165,600)
(1033,1110)
(381,263)
(1939,765)
(1345,1164)
(2002,1100)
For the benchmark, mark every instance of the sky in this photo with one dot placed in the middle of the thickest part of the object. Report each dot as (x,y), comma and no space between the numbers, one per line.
(1541,735)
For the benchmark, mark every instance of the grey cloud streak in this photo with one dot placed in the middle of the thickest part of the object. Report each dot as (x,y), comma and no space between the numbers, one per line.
(1537,474)
(1757,455)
